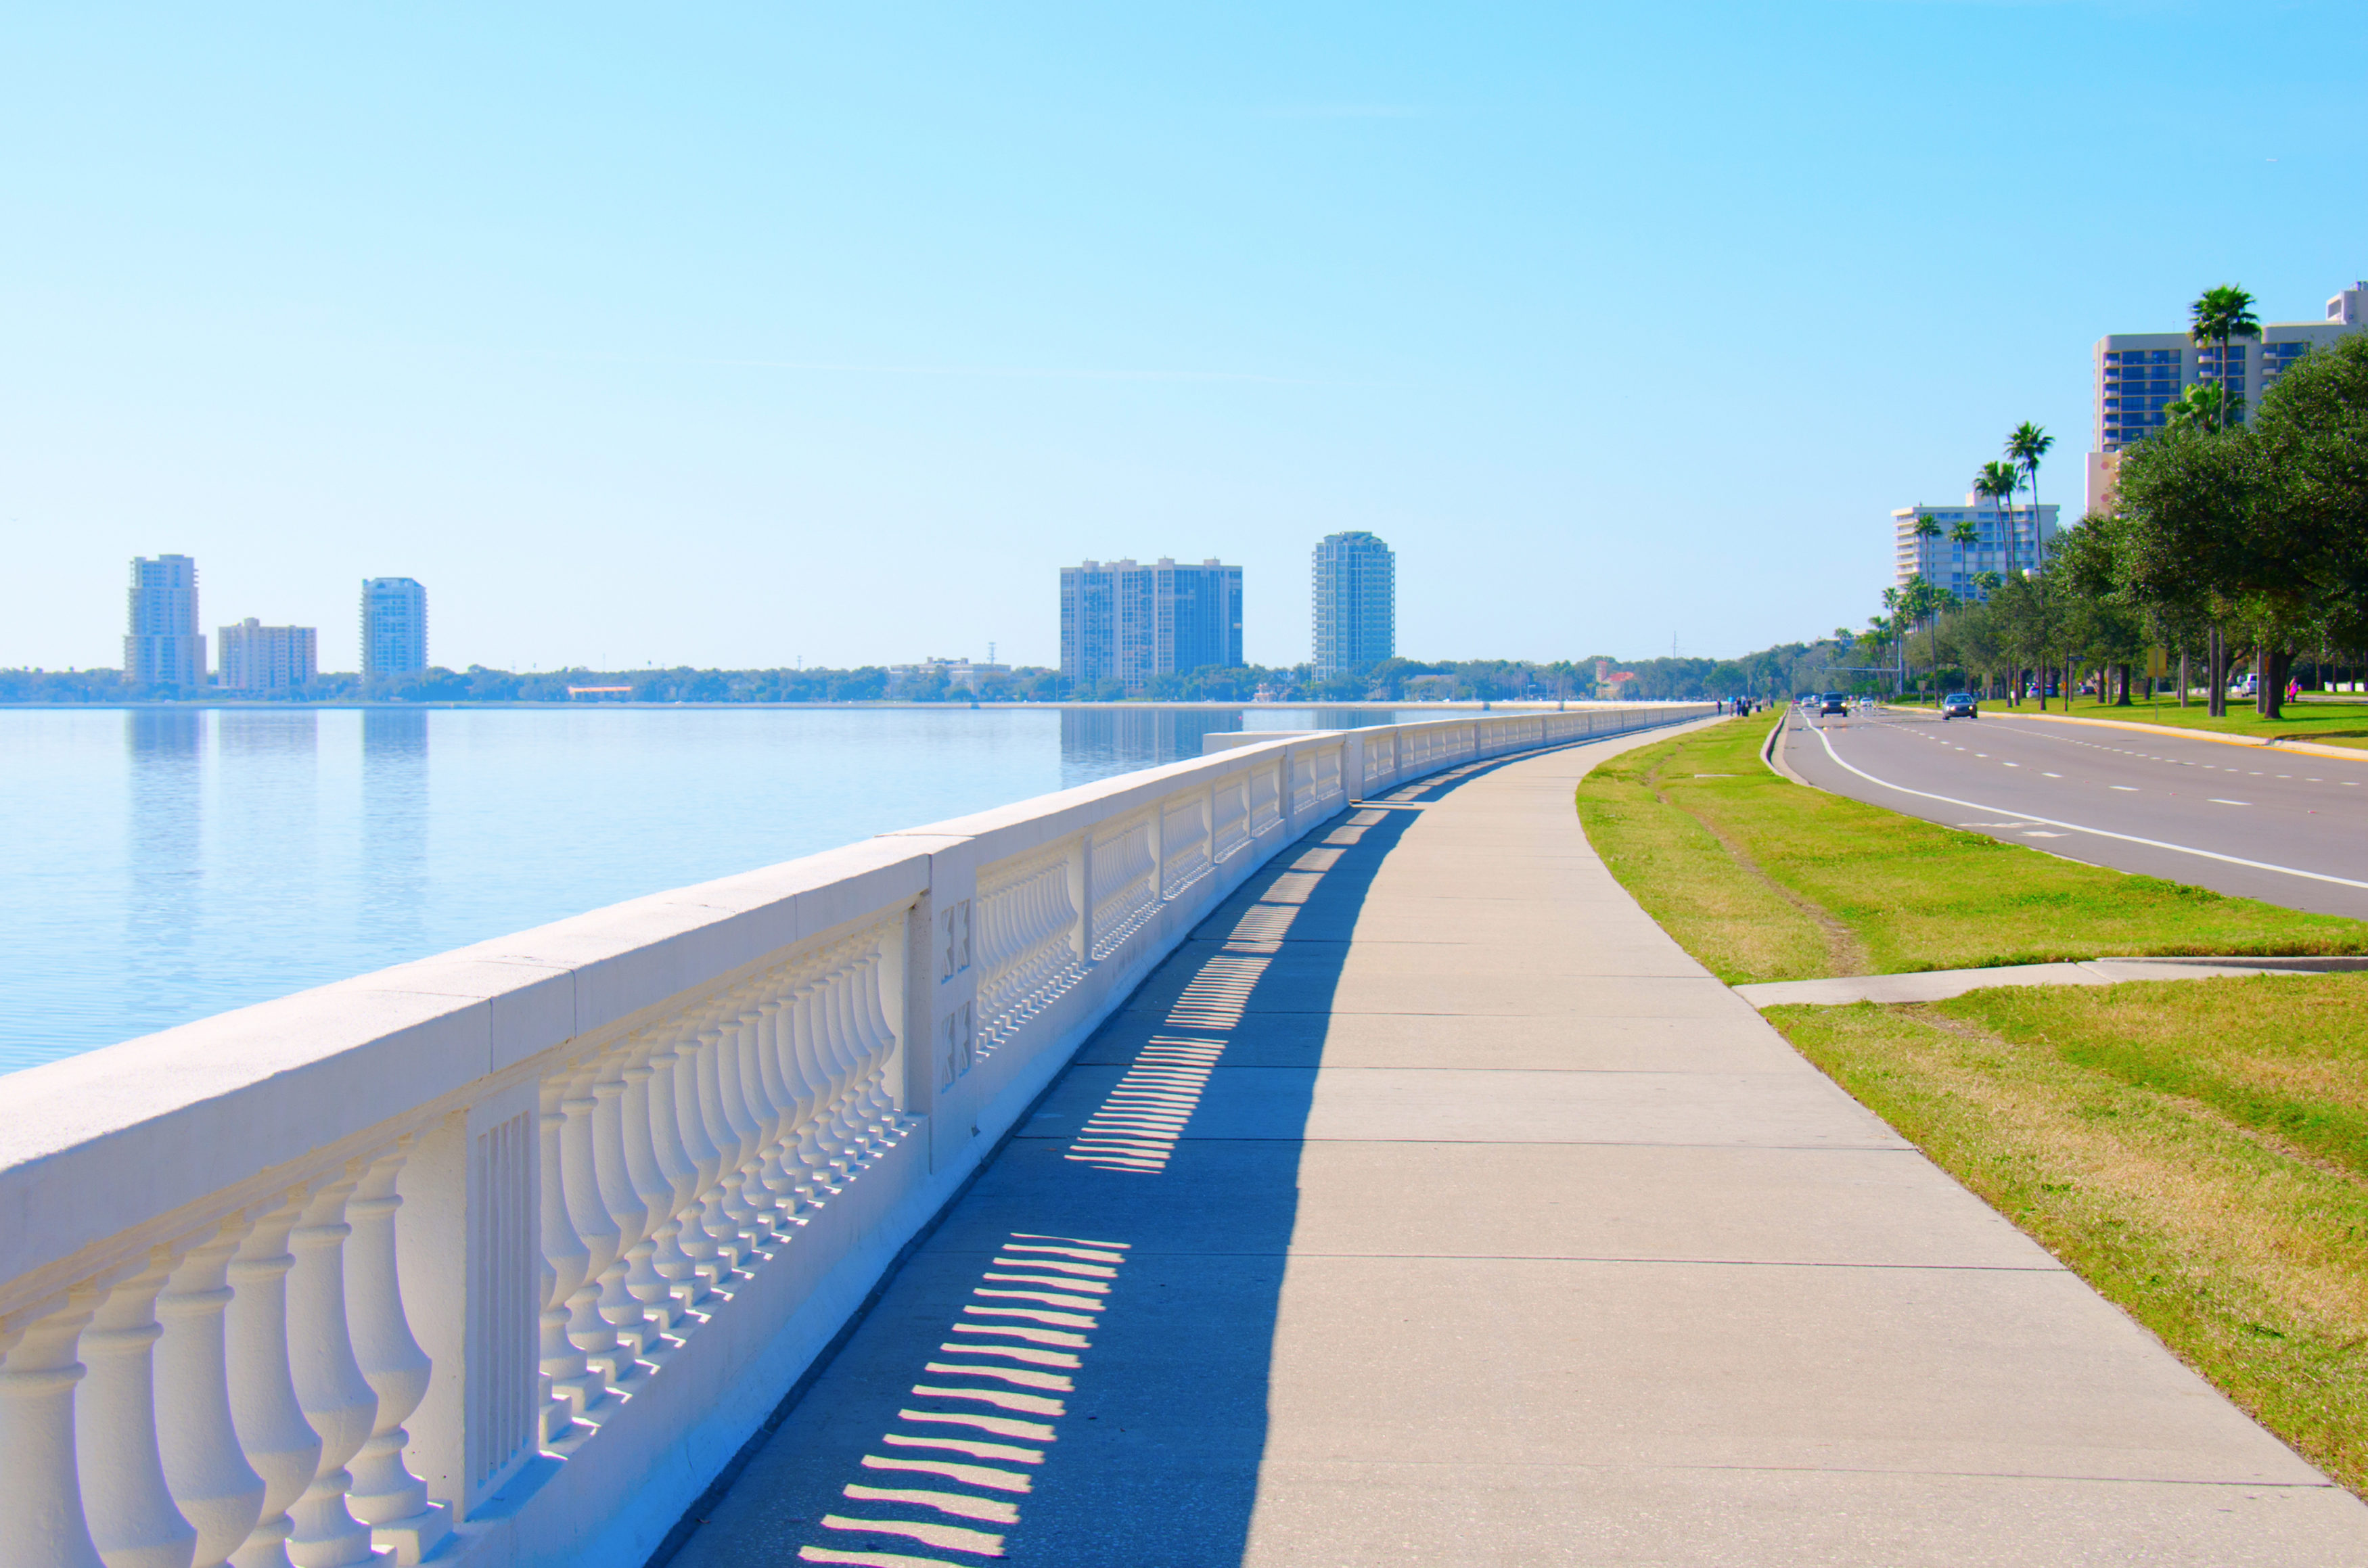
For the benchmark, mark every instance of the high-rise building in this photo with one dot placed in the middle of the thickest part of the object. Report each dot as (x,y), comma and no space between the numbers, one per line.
(1943,562)
(394,627)
(1356,602)
(162,645)
(2138,373)
(1127,622)
(259,658)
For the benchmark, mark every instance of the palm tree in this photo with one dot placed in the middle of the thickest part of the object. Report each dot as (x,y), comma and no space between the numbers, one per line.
(1997,482)
(2220,315)
(2204,406)
(2024,446)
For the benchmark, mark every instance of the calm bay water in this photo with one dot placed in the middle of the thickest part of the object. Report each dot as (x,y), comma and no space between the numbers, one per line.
(158,865)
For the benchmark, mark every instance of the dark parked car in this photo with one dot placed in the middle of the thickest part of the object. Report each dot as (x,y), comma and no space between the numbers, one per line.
(1832,702)
(1960,705)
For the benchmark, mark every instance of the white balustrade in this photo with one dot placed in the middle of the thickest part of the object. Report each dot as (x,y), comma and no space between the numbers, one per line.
(213,1485)
(245,1317)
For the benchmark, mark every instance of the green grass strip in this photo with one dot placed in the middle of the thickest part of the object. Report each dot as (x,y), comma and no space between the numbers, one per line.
(1762,879)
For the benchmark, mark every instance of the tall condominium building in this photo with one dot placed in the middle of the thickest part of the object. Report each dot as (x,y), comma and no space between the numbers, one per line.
(162,645)
(394,627)
(1943,562)
(1127,622)
(2139,372)
(261,658)
(1356,602)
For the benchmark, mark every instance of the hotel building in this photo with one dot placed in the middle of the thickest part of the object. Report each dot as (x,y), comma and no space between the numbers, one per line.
(1945,563)
(2139,374)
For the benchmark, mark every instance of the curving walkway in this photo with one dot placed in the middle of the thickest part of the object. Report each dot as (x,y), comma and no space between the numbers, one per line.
(1431,1206)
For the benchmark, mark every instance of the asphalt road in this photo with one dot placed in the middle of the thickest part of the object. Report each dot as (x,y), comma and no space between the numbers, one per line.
(2286,828)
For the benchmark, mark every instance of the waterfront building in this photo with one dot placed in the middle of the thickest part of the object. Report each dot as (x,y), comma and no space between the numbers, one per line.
(394,627)
(1356,602)
(963,672)
(1943,562)
(1127,622)
(2139,374)
(258,658)
(162,645)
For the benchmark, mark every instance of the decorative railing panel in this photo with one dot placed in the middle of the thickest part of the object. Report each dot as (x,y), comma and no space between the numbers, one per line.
(1126,880)
(1027,935)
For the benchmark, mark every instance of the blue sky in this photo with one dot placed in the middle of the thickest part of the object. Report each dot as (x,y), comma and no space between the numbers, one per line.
(743,334)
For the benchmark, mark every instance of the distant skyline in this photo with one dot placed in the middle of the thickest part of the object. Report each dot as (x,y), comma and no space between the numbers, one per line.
(764,333)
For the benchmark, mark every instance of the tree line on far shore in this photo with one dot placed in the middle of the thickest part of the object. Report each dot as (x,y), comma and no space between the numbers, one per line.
(1391,680)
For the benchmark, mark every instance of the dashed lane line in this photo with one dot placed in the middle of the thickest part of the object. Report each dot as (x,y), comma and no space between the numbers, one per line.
(2079,828)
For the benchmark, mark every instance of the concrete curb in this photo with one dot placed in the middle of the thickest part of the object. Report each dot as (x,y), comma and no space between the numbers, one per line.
(1771,751)
(1939,984)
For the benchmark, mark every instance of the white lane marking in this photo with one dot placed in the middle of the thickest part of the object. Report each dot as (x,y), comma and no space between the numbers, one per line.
(2050,776)
(2014,764)
(2100,833)
(2218,802)
(2131,788)
(2038,834)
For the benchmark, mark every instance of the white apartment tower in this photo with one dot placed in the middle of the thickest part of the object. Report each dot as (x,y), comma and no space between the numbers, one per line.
(2139,372)
(1356,602)
(394,627)
(1124,621)
(1945,563)
(162,645)
(258,658)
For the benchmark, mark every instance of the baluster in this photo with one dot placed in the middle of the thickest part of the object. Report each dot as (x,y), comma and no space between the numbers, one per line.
(338,1400)
(841,1132)
(717,1203)
(40,1489)
(130,1509)
(566,1263)
(749,1204)
(385,1495)
(883,1046)
(279,1441)
(861,1106)
(756,1106)
(773,1170)
(214,1487)
(696,1234)
(587,1330)
(857,1043)
(628,1210)
(638,1115)
(814,1167)
(671,1257)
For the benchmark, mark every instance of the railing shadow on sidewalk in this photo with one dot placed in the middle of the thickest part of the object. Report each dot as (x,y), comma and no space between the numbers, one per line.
(1074,1368)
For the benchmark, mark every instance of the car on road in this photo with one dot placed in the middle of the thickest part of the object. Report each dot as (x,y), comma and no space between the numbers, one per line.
(1832,702)
(1959,705)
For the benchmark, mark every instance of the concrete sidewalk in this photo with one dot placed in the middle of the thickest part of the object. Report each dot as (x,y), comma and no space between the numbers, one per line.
(1431,1206)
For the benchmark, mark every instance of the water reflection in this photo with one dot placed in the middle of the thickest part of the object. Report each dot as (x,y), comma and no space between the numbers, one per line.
(165,847)
(393,910)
